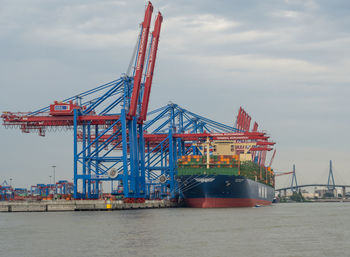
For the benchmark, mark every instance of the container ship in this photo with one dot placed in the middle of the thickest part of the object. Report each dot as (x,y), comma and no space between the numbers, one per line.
(224,176)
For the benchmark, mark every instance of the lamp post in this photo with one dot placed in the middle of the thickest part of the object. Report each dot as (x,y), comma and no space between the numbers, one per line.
(54,179)
(54,175)
(50,179)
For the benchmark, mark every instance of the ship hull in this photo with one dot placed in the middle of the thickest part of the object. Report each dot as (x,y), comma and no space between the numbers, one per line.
(224,191)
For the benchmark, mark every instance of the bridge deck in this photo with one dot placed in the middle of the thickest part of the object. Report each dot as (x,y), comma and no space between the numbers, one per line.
(311,185)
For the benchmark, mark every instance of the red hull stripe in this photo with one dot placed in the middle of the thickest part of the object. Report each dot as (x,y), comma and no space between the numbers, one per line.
(224,202)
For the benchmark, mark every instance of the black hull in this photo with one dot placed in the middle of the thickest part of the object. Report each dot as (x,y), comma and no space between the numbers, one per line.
(210,191)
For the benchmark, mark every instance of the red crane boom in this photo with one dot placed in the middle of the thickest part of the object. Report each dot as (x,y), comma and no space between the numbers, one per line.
(243,120)
(255,127)
(239,119)
(272,158)
(284,173)
(140,60)
(150,67)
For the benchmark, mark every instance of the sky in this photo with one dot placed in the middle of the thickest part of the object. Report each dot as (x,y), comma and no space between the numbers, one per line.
(286,62)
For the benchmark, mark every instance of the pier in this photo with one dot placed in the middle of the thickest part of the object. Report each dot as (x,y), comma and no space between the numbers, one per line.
(81,205)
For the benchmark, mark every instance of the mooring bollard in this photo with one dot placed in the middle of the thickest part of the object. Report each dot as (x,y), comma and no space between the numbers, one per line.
(108,204)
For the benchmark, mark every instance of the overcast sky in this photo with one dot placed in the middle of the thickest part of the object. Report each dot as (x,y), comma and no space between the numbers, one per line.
(286,62)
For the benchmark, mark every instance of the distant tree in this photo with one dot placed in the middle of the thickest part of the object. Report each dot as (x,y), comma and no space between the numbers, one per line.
(297,196)
(328,195)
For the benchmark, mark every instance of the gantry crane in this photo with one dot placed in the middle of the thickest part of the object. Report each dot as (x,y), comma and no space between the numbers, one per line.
(111,107)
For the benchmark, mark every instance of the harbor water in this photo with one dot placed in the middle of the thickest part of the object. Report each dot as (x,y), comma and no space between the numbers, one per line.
(290,229)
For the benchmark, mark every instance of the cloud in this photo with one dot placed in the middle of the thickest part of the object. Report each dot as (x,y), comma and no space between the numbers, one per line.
(182,32)
(254,63)
(82,24)
(67,37)
(203,23)
(308,4)
(287,14)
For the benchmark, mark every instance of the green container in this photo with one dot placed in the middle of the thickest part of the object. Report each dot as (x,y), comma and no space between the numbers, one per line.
(205,171)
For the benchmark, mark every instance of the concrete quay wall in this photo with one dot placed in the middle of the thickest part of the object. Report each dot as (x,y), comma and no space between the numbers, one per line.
(80,205)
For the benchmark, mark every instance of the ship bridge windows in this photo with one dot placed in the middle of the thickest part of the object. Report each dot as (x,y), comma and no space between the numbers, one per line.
(262,191)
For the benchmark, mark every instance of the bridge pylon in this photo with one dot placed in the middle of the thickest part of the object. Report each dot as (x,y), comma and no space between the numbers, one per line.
(294,184)
(331,182)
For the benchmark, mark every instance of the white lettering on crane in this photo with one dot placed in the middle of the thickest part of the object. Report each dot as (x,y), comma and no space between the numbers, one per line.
(153,49)
(143,38)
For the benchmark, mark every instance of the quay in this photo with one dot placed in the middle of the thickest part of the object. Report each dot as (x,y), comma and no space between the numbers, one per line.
(81,205)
